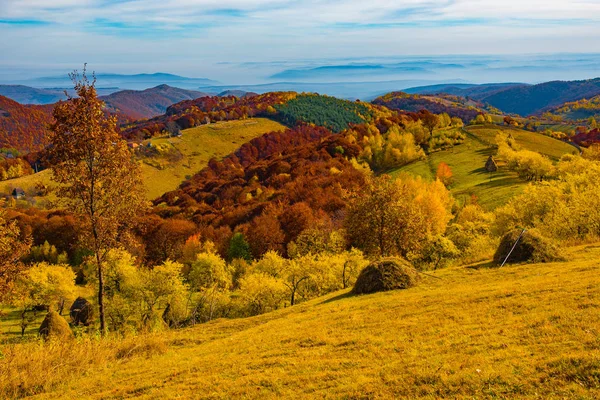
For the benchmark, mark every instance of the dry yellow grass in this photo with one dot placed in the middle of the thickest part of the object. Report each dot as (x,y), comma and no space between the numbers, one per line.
(28,183)
(529,331)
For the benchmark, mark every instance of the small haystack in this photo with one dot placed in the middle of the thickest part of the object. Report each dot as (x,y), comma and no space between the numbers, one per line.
(82,312)
(532,247)
(490,165)
(384,275)
(55,327)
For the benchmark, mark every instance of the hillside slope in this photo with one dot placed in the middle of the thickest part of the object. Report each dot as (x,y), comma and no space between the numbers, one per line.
(138,104)
(23,127)
(526,100)
(527,331)
(476,92)
(180,158)
(467,163)
(452,105)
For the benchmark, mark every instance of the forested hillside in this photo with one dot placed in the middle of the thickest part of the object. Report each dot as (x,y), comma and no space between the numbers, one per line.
(23,127)
(526,100)
(452,105)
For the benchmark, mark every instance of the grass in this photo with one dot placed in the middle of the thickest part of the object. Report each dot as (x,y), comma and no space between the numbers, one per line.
(192,151)
(546,145)
(525,331)
(28,183)
(467,163)
(470,178)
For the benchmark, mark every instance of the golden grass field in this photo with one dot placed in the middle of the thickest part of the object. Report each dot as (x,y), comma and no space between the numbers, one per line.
(196,147)
(525,331)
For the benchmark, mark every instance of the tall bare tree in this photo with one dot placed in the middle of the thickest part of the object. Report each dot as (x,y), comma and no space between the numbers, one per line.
(99,177)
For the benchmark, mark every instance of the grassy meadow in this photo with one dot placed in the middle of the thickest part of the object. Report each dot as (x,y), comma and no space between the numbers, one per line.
(191,152)
(467,162)
(537,142)
(522,331)
(29,184)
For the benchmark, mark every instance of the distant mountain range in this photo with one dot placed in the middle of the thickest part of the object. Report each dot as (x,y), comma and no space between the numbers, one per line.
(122,81)
(338,72)
(477,92)
(345,90)
(24,126)
(30,95)
(519,98)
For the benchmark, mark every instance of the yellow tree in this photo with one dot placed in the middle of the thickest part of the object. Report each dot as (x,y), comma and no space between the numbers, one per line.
(98,176)
(395,217)
(12,248)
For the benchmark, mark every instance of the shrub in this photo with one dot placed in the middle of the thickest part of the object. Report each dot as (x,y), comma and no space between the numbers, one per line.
(384,275)
(532,247)
(55,327)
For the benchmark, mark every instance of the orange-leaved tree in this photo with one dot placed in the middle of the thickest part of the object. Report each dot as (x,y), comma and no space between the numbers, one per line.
(444,174)
(98,176)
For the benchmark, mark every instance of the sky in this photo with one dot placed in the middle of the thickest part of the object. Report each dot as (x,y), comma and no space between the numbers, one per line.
(246,41)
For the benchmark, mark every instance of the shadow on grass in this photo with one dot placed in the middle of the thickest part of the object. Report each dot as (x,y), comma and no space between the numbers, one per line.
(483,265)
(339,297)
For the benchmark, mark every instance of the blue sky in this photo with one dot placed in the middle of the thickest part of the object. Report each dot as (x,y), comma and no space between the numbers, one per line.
(196,37)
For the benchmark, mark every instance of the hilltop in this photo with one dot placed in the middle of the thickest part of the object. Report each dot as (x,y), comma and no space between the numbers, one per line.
(520,331)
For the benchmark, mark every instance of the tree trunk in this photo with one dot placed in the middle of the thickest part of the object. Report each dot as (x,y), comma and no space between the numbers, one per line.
(23,323)
(101,295)
(61,307)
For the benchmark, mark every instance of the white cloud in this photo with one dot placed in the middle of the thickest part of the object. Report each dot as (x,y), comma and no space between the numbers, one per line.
(190,34)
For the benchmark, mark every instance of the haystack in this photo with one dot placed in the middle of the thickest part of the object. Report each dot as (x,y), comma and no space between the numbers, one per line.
(82,312)
(55,327)
(384,275)
(490,165)
(532,247)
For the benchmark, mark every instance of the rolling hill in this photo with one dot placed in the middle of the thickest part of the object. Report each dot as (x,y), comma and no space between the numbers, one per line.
(171,161)
(525,331)
(454,106)
(467,163)
(520,99)
(140,104)
(526,100)
(579,110)
(477,92)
